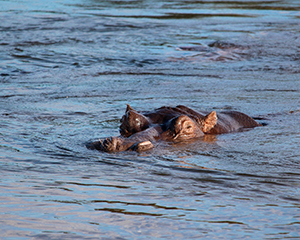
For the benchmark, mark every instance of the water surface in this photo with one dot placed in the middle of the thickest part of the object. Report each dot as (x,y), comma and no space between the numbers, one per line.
(67,71)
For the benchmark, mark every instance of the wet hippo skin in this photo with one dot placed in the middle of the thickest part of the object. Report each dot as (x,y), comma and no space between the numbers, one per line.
(139,130)
(226,122)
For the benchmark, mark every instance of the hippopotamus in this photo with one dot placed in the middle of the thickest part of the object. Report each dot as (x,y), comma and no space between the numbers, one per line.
(140,130)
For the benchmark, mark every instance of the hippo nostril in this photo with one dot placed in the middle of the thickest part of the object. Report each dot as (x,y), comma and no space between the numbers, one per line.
(175,136)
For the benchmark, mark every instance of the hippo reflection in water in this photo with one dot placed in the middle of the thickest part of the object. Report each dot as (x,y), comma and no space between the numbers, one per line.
(139,131)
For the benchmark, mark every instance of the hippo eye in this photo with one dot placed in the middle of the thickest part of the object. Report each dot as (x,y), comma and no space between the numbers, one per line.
(189,126)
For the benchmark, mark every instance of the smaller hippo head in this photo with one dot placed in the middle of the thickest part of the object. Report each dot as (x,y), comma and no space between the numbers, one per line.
(184,128)
(133,122)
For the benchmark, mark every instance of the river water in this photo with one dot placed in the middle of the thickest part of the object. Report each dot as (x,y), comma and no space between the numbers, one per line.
(67,71)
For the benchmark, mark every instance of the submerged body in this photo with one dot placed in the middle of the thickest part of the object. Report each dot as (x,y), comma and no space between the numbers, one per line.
(140,130)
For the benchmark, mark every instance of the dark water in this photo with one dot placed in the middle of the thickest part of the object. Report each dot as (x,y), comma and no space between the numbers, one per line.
(68,68)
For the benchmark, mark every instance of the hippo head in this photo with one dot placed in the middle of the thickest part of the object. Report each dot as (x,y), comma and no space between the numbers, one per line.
(133,122)
(184,128)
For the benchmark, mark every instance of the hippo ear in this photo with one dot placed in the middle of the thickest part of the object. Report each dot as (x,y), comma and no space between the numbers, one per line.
(209,121)
(129,108)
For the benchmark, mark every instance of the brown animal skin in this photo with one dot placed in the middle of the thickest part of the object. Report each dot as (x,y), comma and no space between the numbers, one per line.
(176,129)
(223,122)
(140,130)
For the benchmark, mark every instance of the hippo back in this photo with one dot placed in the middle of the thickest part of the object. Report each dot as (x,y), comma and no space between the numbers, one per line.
(231,121)
(164,114)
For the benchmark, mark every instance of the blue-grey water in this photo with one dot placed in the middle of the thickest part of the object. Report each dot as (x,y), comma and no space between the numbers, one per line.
(69,67)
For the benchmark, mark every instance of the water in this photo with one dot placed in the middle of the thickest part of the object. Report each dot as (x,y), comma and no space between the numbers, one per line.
(68,68)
